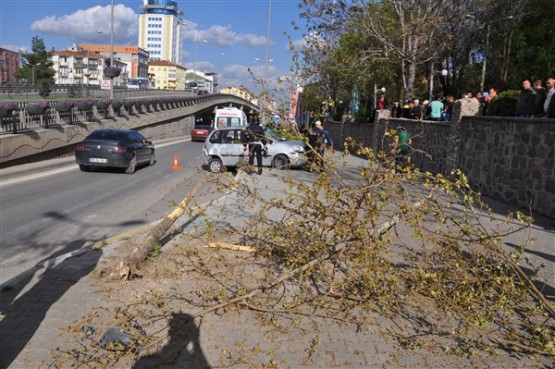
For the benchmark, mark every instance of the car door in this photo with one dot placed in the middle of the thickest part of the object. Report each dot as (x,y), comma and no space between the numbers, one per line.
(142,148)
(231,150)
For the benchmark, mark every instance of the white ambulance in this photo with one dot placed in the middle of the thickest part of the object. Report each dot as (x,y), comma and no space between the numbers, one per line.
(229,117)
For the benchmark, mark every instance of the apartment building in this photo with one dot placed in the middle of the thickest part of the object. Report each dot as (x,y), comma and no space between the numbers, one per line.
(10,62)
(136,58)
(238,91)
(76,66)
(167,75)
(161,30)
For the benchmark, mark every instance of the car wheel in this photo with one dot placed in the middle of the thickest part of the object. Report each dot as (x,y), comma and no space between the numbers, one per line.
(84,168)
(152,160)
(280,162)
(132,165)
(215,165)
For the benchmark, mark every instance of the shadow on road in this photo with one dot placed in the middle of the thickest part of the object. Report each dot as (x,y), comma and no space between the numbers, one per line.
(24,307)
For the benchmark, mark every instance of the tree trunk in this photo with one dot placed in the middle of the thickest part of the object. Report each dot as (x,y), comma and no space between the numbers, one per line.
(129,265)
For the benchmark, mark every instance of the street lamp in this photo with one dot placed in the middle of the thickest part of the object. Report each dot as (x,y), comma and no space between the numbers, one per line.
(196,53)
(112,51)
(376,90)
(266,84)
(444,74)
(88,74)
(33,72)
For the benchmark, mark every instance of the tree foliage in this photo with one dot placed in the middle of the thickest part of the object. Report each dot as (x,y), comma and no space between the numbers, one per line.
(405,43)
(40,59)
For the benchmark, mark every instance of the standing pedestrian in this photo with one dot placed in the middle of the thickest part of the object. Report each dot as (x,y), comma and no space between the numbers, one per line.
(448,108)
(525,100)
(256,139)
(318,140)
(540,94)
(417,110)
(401,143)
(488,100)
(436,109)
(549,104)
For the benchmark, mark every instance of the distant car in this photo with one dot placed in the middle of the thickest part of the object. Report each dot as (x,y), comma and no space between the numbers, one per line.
(200,132)
(223,149)
(114,148)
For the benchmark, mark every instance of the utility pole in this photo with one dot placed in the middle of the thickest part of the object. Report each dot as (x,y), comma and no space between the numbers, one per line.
(112,51)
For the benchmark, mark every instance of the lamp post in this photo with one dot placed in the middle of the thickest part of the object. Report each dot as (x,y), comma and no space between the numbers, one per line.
(443,72)
(376,90)
(267,61)
(299,118)
(112,50)
(82,81)
(196,53)
(33,73)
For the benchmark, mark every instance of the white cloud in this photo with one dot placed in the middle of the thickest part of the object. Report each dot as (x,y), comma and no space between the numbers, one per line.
(298,44)
(204,66)
(224,36)
(93,25)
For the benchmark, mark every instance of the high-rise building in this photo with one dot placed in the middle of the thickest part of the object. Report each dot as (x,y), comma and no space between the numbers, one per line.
(161,30)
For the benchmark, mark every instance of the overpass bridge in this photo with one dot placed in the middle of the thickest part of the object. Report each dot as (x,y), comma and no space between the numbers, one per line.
(26,137)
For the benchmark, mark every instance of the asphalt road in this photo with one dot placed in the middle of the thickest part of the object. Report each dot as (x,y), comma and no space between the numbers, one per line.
(53,208)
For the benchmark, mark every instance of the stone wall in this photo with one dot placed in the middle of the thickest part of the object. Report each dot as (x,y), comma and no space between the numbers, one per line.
(508,159)
(511,160)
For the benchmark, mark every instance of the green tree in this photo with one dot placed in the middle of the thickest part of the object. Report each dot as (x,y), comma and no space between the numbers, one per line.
(40,59)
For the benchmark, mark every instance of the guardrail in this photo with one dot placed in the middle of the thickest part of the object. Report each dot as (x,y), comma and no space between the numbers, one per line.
(80,91)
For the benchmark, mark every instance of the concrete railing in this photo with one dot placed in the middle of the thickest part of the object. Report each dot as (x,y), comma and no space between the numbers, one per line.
(43,141)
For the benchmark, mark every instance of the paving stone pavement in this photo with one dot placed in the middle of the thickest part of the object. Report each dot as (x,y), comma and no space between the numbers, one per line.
(36,312)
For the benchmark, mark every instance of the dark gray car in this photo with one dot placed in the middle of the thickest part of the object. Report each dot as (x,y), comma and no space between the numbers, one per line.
(114,148)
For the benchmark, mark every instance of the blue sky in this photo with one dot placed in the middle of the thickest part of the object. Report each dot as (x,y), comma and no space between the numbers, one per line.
(231,33)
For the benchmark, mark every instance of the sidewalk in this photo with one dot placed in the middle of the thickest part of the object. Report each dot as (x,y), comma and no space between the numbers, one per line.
(37,312)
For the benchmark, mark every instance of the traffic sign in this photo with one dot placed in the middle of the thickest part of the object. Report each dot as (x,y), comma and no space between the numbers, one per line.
(105,84)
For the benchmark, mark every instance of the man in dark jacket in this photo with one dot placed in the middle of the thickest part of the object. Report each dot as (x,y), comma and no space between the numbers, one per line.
(539,99)
(525,101)
(318,139)
(256,139)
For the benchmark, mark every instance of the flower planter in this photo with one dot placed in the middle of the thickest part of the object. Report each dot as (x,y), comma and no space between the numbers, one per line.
(63,108)
(112,72)
(116,105)
(128,104)
(6,112)
(102,105)
(84,106)
(35,109)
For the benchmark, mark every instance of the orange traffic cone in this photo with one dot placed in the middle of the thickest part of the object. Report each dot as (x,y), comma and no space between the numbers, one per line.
(175,163)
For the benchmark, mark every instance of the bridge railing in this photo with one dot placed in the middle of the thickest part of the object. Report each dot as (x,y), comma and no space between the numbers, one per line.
(24,116)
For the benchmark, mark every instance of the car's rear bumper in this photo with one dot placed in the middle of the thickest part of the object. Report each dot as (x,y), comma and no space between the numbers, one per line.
(117,161)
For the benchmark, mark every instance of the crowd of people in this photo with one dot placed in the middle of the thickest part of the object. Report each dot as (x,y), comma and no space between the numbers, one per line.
(439,109)
(534,100)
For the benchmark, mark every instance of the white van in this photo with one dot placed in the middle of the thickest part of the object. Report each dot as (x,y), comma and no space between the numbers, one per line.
(229,117)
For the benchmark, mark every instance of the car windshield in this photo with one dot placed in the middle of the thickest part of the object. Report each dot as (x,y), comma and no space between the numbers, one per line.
(270,133)
(108,135)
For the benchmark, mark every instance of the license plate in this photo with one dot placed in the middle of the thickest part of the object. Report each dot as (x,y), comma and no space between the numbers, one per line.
(98,160)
